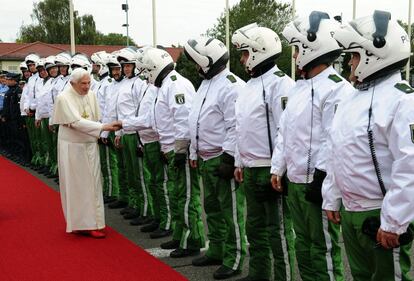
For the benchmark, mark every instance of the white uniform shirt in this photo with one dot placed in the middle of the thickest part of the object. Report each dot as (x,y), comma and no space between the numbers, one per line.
(101,91)
(295,129)
(128,99)
(252,148)
(25,92)
(44,99)
(212,119)
(61,82)
(110,112)
(29,102)
(172,108)
(351,173)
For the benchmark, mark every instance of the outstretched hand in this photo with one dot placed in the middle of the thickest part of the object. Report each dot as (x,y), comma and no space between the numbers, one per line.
(113,126)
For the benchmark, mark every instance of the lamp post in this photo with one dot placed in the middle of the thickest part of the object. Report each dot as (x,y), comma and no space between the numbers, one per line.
(126,8)
(72,28)
(228,30)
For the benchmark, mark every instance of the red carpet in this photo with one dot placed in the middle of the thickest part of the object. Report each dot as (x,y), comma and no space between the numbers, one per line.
(35,247)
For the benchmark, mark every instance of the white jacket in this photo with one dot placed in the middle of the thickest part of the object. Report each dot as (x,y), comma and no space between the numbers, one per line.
(212,118)
(252,148)
(61,82)
(32,84)
(351,175)
(128,99)
(110,112)
(295,129)
(44,99)
(172,107)
(101,91)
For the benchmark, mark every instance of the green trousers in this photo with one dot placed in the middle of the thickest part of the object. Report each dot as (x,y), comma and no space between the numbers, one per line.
(34,134)
(368,262)
(109,168)
(268,227)
(317,250)
(119,171)
(155,176)
(224,207)
(45,142)
(30,132)
(186,210)
(129,145)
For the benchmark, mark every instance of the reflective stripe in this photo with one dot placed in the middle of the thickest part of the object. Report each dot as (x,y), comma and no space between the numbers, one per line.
(144,190)
(397,265)
(167,199)
(108,168)
(236,224)
(328,244)
(282,234)
(187,203)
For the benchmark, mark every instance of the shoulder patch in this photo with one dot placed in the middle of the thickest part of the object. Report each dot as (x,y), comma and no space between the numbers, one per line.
(283,102)
(404,88)
(279,73)
(231,78)
(110,80)
(412,132)
(335,78)
(142,77)
(173,77)
(180,98)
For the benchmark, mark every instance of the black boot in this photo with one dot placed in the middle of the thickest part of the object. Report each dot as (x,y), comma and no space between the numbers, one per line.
(150,227)
(182,253)
(206,261)
(170,245)
(224,272)
(160,233)
(118,204)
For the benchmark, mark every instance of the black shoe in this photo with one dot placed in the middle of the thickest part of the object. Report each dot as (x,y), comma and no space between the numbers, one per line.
(117,204)
(57,180)
(205,261)
(224,272)
(160,233)
(132,215)
(150,227)
(141,220)
(127,210)
(182,253)
(170,245)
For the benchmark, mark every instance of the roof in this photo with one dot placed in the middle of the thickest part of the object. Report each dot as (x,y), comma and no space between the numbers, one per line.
(18,51)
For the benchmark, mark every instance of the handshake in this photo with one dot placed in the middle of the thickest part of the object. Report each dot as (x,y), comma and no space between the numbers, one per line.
(113,126)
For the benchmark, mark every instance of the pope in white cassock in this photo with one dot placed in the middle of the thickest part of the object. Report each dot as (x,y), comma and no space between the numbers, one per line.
(77,113)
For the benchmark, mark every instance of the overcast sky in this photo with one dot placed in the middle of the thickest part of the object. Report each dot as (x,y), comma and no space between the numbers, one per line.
(177,20)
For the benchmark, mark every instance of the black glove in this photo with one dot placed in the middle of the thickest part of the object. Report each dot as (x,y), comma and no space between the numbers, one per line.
(226,168)
(180,159)
(139,152)
(314,189)
(371,225)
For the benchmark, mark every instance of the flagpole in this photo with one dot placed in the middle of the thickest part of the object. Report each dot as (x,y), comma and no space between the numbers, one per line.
(154,25)
(228,30)
(72,28)
(293,65)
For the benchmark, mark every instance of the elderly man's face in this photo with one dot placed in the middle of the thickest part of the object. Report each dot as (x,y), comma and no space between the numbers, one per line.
(83,85)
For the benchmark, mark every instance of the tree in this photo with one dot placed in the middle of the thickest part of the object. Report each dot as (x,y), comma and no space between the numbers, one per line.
(268,13)
(114,39)
(51,25)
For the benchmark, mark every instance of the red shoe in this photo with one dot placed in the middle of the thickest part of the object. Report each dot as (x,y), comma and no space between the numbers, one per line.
(98,233)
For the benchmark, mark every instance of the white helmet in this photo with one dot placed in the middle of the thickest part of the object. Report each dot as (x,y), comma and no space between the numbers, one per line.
(313,36)
(139,57)
(23,66)
(262,43)
(113,62)
(101,59)
(126,55)
(381,42)
(209,53)
(81,60)
(50,62)
(63,58)
(41,63)
(157,64)
(31,58)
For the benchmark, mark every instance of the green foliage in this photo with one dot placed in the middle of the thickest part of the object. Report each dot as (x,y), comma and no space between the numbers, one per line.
(51,25)
(188,69)
(268,13)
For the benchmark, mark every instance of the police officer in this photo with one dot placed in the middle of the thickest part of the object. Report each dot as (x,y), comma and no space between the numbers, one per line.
(301,146)
(3,89)
(172,106)
(11,117)
(213,136)
(372,151)
(26,74)
(258,109)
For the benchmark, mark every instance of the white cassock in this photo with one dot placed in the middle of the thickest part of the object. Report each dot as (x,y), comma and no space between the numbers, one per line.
(78,158)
